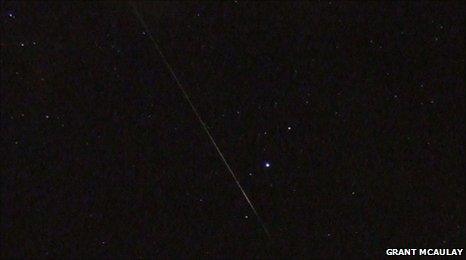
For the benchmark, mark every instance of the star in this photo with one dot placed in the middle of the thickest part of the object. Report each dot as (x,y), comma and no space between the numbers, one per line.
(267,165)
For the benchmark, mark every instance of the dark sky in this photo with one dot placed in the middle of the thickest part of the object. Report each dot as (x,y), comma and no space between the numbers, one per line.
(355,107)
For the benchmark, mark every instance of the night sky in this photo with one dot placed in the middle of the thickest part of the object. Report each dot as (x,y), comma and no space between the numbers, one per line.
(341,120)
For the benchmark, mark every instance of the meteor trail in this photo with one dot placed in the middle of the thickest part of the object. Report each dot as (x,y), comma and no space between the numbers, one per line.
(204,125)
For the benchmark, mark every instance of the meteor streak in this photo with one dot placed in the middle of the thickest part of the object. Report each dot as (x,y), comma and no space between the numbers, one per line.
(204,125)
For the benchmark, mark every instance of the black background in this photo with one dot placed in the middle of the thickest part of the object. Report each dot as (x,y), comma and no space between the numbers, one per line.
(103,157)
